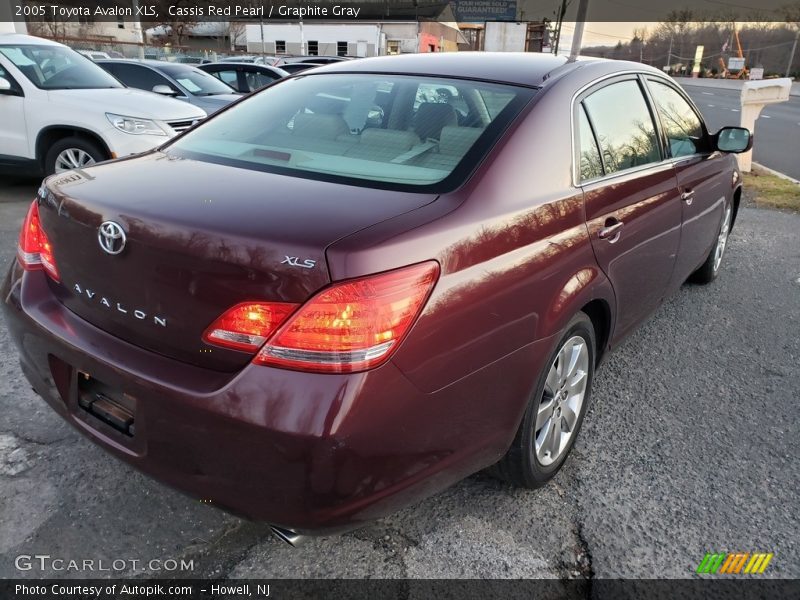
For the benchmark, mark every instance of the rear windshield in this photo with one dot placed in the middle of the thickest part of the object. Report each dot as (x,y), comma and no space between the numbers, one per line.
(387,131)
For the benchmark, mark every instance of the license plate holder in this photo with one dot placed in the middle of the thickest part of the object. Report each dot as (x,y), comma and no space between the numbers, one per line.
(105,403)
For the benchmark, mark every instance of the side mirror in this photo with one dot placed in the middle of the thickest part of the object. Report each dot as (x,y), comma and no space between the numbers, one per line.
(164,90)
(733,139)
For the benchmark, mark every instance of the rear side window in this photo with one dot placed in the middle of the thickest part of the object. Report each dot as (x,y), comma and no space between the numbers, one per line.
(229,77)
(388,131)
(623,126)
(591,165)
(681,124)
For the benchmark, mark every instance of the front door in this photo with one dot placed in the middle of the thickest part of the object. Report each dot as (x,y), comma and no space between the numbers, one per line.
(700,173)
(13,134)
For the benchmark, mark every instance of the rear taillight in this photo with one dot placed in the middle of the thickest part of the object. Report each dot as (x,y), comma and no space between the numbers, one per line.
(350,326)
(247,326)
(354,325)
(35,250)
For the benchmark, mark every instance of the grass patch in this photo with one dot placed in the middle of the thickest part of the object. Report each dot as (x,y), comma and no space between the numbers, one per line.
(767,190)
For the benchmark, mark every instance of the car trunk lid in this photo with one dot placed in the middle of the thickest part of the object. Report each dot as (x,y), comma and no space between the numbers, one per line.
(199,238)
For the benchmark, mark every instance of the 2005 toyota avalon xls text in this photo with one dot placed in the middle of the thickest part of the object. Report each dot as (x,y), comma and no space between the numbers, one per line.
(359,286)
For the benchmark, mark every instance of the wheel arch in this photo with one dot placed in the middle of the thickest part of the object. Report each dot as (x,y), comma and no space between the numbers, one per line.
(52,133)
(587,290)
(737,197)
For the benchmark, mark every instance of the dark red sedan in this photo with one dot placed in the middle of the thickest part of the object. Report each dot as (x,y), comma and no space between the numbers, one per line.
(356,287)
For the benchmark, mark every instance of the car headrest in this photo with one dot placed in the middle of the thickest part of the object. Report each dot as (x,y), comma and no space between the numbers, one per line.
(431,117)
(390,138)
(456,141)
(325,127)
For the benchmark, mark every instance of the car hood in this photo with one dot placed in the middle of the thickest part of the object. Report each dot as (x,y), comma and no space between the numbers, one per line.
(130,103)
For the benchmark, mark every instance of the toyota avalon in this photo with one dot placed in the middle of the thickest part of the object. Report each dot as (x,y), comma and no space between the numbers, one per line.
(359,286)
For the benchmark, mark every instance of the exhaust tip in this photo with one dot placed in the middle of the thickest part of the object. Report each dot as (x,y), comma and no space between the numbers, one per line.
(287,535)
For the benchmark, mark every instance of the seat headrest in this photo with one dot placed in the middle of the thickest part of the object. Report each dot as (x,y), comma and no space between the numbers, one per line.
(431,117)
(390,138)
(325,127)
(456,141)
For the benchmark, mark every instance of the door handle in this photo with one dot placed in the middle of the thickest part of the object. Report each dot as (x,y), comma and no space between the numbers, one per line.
(688,196)
(611,231)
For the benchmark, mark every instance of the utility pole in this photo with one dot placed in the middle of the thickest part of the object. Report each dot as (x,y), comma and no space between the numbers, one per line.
(577,36)
(559,22)
(791,54)
(669,55)
(263,42)
(137,28)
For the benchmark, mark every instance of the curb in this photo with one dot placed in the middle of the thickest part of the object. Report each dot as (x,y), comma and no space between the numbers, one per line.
(776,173)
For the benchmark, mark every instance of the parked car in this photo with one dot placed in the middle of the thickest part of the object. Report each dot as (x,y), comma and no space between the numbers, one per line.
(244,77)
(177,80)
(257,60)
(93,54)
(317,60)
(61,111)
(293,68)
(345,318)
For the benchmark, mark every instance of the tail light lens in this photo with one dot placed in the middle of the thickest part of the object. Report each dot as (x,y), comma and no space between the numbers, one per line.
(350,326)
(35,250)
(247,326)
(354,325)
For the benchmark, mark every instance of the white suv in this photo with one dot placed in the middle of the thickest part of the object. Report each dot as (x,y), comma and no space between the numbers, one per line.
(61,111)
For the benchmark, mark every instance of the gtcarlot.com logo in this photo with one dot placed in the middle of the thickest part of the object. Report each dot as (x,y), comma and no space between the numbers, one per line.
(46,562)
(735,563)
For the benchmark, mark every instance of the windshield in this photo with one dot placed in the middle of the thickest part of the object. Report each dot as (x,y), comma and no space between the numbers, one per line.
(195,81)
(58,68)
(391,131)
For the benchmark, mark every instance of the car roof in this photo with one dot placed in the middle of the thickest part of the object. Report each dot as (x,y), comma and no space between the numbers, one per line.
(519,68)
(148,62)
(20,39)
(241,64)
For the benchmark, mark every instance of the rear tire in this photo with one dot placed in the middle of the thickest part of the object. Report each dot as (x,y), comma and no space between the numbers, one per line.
(72,153)
(559,402)
(710,268)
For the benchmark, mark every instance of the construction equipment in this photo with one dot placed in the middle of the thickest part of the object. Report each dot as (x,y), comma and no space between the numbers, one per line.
(735,67)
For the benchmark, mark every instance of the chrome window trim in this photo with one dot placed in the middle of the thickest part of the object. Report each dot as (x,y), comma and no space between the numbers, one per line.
(576,181)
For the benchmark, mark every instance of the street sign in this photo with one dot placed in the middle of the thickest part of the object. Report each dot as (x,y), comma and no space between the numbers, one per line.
(735,63)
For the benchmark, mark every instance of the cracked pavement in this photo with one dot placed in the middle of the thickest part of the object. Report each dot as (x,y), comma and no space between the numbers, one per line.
(690,445)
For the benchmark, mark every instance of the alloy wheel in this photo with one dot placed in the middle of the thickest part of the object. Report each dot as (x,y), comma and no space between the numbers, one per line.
(562,400)
(722,240)
(73,158)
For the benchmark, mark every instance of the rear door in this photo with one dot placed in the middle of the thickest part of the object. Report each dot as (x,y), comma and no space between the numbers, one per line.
(633,209)
(700,173)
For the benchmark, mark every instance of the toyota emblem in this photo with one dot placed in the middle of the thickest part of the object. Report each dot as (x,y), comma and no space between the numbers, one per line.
(111,237)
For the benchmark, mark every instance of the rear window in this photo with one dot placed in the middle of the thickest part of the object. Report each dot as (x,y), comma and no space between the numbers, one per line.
(387,131)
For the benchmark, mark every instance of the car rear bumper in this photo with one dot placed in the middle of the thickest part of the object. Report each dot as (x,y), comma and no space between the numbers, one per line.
(310,452)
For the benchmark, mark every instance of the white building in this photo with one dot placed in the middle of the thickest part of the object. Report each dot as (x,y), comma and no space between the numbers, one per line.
(351,39)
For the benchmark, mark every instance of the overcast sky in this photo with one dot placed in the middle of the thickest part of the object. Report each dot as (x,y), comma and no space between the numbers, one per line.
(601,33)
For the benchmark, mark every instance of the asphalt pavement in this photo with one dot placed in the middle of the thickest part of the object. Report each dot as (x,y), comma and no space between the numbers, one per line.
(690,445)
(777,131)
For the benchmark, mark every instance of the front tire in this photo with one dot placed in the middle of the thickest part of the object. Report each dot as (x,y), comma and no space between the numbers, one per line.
(710,269)
(72,153)
(555,411)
